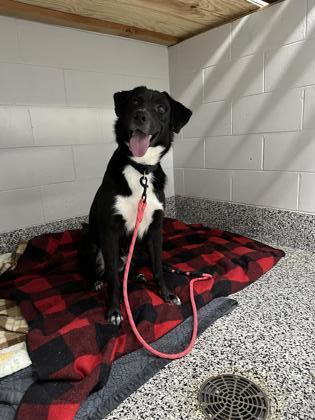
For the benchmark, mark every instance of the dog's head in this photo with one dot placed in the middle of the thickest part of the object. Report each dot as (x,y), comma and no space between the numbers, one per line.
(147,120)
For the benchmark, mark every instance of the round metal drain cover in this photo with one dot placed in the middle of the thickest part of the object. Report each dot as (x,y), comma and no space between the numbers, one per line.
(232,397)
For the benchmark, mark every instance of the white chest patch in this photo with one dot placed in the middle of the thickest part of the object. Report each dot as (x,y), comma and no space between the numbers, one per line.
(127,206)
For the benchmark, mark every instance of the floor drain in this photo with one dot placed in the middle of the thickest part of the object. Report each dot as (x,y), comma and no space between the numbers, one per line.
(232,397)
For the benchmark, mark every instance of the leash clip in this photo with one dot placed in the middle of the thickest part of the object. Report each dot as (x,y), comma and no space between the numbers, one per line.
(144,184)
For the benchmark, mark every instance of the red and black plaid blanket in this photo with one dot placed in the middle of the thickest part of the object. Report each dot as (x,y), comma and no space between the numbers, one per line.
(71,344)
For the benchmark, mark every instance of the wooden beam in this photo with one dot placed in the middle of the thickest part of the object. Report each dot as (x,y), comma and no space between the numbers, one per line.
(179,18)
(44,15)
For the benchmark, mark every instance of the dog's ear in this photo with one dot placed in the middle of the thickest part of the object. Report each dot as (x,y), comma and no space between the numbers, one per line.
(120,99)
(180,115)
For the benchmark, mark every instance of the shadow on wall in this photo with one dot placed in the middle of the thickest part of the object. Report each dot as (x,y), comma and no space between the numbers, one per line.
(209,83)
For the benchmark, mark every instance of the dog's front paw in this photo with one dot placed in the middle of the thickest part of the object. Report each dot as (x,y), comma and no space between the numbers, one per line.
(97,286)
(140,278)
(174,299)
(170,297)
(114,316)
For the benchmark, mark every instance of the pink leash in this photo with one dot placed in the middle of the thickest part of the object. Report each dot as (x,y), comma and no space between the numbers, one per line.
(141,207)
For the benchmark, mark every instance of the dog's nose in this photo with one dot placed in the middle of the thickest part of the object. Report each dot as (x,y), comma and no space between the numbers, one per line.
(140,117)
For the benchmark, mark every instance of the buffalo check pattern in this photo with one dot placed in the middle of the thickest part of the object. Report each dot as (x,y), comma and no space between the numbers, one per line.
(70,342)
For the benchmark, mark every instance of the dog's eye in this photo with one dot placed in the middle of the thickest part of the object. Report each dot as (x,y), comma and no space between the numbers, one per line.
(161,109)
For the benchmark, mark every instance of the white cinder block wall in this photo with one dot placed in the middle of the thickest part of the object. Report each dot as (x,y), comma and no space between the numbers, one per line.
(56,115)
(251,85)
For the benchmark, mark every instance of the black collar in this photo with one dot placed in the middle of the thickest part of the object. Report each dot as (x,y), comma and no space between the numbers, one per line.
(142,168)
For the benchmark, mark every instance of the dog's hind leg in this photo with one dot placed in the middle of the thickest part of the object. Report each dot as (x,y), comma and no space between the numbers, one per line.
(91,262)
(99,270)
(110,251)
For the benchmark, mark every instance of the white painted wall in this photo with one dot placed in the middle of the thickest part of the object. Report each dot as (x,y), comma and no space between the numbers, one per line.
(56,115)
(251,85)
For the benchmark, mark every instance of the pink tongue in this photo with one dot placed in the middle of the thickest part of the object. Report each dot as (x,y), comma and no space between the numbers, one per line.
(139,143)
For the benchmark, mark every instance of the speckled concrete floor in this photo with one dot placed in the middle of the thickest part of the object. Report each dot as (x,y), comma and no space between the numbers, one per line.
(270,338)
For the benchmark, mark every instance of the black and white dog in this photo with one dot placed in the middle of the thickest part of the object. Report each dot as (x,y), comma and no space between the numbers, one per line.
(145,126)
